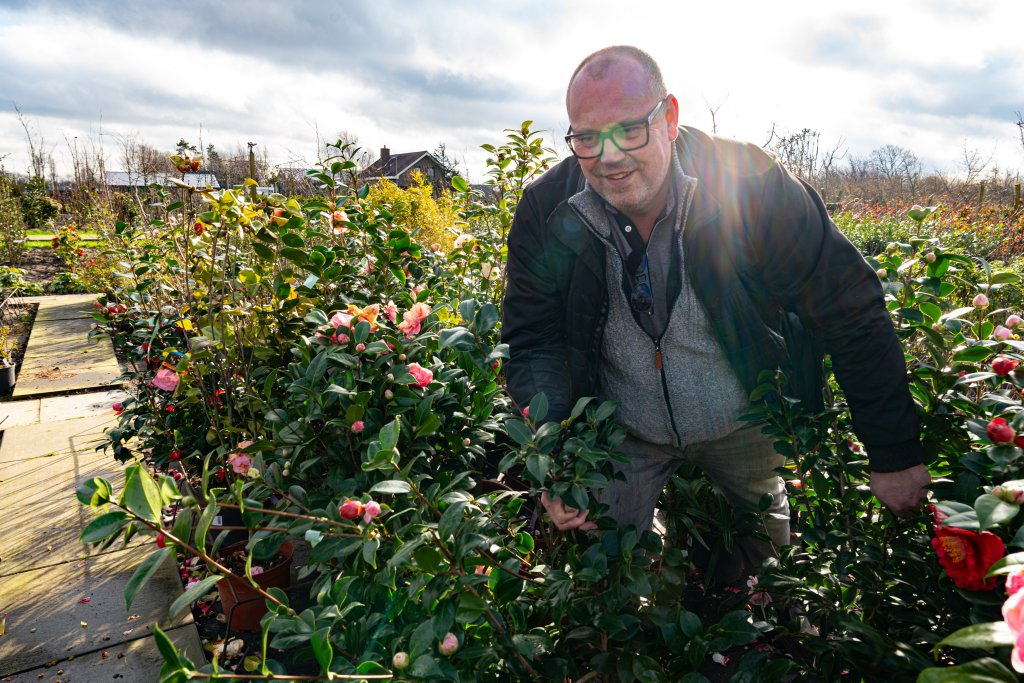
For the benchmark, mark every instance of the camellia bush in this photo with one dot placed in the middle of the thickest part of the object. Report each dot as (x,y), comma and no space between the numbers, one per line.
(313,368)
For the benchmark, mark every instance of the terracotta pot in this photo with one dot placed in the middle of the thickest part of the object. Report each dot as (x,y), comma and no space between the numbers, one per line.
(249,606)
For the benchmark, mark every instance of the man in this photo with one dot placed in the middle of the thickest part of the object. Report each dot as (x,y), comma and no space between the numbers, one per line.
(663,268)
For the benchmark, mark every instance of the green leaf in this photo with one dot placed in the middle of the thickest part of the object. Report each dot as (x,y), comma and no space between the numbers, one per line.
(371,668)
(580,406)
(531,646)
(538,464)
(539,408)
(104,526)
(141,494)
(972,354)
(518,431)
(1003,278)
(391,486)
(203,527)
(931,310)
(166,647)
(911,314)
(985,670)
(460,184)
(977,636)
(263,251)
(1006,565)
(993,511)
(322,650)
(370,548)
(191,595)
(450,520)
(389,435)
(143,573)
(94,492)
(470,608)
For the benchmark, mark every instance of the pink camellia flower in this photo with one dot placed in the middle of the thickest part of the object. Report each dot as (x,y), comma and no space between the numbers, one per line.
(118,408)
(1013,615)
(165,379)
(413,318)
(1013,321)
(980,301)
(371,510)
(1014,582)
(998,432)
(256,570)
(368,267)
(240,463)
(338,219)
(1010,495)
(526,412)
(449,645)
(391,311)
(758,598)
(338,321)
(1003,366)
(423,375)
(415,291)
(1001,333)
(350,509)
(358,426)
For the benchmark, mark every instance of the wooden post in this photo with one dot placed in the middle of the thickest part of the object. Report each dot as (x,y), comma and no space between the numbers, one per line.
(1016,197)
(252,172)
(981,194)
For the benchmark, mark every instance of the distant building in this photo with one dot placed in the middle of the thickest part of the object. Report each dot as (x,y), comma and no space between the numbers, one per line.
(126,181)
(398,168)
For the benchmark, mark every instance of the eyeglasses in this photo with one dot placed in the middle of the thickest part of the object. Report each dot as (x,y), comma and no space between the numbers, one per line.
(642,296)
(627,136)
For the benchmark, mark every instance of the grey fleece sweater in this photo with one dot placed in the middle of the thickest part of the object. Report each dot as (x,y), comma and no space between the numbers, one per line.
(694,396)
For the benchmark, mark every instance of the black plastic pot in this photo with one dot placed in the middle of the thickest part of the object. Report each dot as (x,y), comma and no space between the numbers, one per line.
(7,378)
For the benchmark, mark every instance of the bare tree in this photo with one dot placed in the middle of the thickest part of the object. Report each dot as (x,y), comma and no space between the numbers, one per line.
(972,164)
(36,147)
(713,111)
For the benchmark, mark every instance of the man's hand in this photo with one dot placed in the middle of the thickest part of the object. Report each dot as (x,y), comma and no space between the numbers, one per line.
(903,491)
(564,517)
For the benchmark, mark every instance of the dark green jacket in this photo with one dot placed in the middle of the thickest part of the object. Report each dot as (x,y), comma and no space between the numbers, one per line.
(778,280)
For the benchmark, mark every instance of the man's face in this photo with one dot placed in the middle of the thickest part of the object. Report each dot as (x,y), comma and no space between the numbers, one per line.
(634,182)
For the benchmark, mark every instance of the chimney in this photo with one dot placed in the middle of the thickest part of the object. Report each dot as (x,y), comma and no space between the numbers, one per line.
(385,155)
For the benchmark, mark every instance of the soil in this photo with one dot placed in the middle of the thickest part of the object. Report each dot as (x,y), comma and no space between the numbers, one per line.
(20,317)
(41,265)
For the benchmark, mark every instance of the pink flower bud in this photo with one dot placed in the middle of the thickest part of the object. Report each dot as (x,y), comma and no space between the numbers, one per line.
(1001,333)
(1013,321)
(360,347)
(358,426)
(371,510)
(449,645)
(400,661)
(980,301)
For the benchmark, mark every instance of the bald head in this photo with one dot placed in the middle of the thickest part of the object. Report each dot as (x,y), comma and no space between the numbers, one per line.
(616,62)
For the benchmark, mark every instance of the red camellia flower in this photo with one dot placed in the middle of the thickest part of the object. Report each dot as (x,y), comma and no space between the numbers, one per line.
(967,555)
(1019,441)
(175,454)
(118,408)
(198,228)
(1003,366)
(161,542)
(350,510)
(999,432)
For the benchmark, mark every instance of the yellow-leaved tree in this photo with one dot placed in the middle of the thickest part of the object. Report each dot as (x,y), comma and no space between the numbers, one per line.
(430,219)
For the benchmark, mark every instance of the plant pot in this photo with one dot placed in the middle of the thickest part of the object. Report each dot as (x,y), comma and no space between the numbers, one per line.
(7,379)
(240,601)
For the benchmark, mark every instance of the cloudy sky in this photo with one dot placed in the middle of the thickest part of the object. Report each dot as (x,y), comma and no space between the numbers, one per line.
(933,76)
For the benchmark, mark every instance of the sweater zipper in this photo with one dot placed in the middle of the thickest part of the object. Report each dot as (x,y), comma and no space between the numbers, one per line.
(660,366)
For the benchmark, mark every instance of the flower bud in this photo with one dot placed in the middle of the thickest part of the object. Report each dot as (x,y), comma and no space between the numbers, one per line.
(1013,321)
(1001,333)
(388,394)
(449,645)
(1003,366)
(350,509)
(930,257)
(466,441)
(881,273)
(1000,433)
(358,426)
(980,301)
(400,661)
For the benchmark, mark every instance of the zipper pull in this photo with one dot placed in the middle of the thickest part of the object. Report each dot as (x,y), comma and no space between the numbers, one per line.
(657,357)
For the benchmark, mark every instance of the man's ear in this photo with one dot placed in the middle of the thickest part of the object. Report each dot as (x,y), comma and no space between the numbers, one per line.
(672,116)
